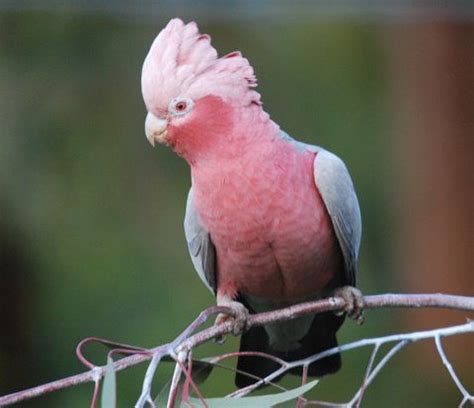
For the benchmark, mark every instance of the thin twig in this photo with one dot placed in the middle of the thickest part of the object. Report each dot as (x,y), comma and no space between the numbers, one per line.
(190,381)
(145,396)
(364,385)
(187,341)
(394,350)
(117,347)
(304,378)
(451,371)
(174,385)
(95,394)
(401,339)
(160,352)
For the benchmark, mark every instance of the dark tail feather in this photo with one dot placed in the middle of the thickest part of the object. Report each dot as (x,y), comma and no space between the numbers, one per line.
(321,336)
(256,339)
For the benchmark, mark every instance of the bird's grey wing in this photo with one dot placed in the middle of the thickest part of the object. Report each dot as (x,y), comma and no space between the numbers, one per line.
(200,246)
(337,191)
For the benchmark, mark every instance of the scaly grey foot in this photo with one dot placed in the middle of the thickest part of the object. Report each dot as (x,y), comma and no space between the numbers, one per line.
(354,302)
(240,314)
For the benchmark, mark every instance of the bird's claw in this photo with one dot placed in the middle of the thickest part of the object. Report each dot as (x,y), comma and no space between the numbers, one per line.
(239,316)
(354,299)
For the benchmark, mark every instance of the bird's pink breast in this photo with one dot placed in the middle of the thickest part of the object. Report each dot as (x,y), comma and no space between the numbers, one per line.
(272,233)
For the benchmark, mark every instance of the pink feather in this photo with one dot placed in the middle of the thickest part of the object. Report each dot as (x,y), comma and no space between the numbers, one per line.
(254,191)
(183,61)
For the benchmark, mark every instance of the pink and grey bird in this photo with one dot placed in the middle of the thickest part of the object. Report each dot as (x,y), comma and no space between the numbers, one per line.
(269,221)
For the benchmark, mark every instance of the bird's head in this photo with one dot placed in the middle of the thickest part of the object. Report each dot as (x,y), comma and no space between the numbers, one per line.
(191,94)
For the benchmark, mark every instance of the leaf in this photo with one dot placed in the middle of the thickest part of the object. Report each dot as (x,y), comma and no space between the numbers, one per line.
(161,399)
(261,401)
(200,371)
(108,398)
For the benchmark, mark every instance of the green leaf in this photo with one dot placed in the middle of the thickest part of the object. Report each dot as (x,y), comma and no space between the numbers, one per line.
(261,401)
(108,399)
(200,372)
(201,369)
(161,399)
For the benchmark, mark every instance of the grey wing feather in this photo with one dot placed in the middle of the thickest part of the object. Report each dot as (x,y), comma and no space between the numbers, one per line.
(200,246)
(337,191)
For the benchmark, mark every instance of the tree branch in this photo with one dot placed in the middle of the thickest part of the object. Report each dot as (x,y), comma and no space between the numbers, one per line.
(457,381)
(187,341)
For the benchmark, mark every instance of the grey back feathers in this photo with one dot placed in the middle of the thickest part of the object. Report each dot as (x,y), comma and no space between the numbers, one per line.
(200,246)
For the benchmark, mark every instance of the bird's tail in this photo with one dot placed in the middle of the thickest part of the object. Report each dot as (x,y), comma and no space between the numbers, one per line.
(321,336)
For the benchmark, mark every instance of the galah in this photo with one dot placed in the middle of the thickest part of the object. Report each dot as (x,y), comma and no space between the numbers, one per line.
(270,221)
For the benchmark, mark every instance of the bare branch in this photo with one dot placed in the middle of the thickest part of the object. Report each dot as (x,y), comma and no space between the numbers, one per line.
(335,304)
(444,358)
(145,396)
(187,341)
(401,339)
(395,349)
(174,386)
(365,384)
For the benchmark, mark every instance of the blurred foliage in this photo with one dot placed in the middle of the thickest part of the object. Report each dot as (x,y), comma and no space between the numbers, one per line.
(98,213)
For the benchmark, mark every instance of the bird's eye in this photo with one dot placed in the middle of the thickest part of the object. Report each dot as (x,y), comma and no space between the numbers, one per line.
(180,106)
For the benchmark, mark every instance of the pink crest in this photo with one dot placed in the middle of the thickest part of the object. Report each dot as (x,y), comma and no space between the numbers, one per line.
(182,62)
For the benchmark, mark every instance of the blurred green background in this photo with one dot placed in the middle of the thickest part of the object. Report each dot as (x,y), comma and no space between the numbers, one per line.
(91,217)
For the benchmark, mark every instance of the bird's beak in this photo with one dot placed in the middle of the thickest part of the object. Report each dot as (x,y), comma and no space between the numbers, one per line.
(155,129)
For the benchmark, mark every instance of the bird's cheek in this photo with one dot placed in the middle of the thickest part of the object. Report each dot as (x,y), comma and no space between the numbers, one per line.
(179,127)
(172,134)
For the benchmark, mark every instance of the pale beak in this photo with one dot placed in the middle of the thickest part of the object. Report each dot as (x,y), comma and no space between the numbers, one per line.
(155,129)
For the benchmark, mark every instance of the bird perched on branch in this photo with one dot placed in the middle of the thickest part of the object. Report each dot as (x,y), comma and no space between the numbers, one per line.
(269,221)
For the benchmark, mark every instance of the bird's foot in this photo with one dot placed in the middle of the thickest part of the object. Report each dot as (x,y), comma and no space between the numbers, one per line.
(239,316)
(354,302)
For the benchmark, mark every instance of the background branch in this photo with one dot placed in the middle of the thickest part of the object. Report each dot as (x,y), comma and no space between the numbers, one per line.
(186,341)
